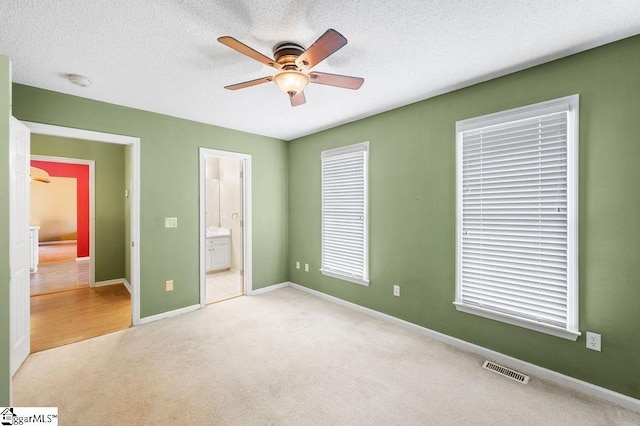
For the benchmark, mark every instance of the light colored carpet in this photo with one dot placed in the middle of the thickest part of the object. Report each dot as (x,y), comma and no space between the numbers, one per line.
(286,357)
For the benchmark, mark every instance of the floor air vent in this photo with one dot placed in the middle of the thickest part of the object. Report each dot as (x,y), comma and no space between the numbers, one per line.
(506,372)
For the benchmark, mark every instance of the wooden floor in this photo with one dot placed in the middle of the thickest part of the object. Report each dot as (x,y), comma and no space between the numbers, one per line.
(52,253)
(60,276)
(70,316)
(59,270)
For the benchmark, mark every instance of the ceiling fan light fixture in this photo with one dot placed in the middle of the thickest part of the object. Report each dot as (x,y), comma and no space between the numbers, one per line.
(291,82)
(294,64)
(39,175)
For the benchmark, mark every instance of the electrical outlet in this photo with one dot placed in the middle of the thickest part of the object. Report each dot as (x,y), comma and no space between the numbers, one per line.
(396,290)
(297,264)
(306,267)
(168,285)
(170,222)
(594,341)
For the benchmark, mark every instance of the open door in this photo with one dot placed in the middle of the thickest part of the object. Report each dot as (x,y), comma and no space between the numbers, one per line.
(19,245)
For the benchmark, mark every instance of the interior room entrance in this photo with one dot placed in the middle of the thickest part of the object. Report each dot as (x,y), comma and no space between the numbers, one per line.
(223,199)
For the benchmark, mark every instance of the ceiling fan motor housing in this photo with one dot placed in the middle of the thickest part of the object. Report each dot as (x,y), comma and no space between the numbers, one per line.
(286,53)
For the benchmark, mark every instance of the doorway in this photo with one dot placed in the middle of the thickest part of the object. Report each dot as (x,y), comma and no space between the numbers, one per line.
(225,225)
(62,223)
(77,243)
(132,192)
(20,320)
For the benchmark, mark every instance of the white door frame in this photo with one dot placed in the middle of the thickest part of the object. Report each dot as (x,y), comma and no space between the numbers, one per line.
(247,266)
(92,205)
(134,142)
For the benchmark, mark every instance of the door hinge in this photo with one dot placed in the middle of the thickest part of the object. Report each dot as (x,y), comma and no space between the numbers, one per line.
(132,244)
(241,223)
(242,272)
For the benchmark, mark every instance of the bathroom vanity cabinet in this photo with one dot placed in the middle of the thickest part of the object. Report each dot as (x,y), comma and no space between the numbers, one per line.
(218,253)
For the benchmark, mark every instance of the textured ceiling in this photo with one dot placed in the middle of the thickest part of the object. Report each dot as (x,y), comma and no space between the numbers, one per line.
(163,56)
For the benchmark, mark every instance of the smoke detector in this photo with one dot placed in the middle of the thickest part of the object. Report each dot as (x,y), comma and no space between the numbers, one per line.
(79,80)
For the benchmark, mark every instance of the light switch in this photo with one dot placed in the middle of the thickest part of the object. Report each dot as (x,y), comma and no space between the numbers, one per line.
(170,222)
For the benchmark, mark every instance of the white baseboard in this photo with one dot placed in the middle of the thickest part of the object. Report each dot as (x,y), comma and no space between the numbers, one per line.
(80,259)
(169,314)
(508,361)
(270,288)
(113,282)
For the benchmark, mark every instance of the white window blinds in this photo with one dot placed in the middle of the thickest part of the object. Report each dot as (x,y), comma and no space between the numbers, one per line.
(344,213)
(517,252)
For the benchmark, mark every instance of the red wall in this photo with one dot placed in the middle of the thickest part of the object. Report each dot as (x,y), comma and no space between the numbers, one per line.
(81,173)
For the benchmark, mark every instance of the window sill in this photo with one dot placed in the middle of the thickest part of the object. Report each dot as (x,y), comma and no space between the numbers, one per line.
(509,319)
(345,278)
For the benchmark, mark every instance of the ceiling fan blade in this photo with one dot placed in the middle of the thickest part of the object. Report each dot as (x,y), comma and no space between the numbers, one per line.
(326,45)
(246,50)
(249,83)
(336,80)
(298,99)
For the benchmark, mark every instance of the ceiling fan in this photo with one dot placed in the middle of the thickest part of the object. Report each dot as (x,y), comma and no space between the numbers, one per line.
(294,63)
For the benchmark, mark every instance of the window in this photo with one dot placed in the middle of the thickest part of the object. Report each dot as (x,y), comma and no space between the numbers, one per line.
(517,218)
(345,233)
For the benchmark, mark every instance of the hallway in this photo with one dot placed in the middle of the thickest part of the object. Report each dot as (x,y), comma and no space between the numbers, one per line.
(64,309)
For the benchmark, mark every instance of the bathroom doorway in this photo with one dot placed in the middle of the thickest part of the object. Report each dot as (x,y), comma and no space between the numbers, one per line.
(223,226)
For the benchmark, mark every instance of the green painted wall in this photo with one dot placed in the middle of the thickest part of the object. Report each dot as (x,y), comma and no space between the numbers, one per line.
(412,206)
(5,113)
(169,187)
(412,212)
(110,185)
